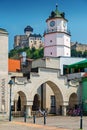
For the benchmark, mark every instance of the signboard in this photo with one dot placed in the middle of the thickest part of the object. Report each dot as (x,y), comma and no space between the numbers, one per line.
(21,80)
(3,99)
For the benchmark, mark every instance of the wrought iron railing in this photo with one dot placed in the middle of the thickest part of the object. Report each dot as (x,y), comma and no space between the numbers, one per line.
(57,30)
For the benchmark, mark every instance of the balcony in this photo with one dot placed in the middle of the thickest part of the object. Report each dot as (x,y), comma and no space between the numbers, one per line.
(57,30)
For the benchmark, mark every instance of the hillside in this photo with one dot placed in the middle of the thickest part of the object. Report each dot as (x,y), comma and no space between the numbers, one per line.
(77,50)
(31,53)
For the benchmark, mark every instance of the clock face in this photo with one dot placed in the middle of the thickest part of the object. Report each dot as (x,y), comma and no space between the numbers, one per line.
(52,23)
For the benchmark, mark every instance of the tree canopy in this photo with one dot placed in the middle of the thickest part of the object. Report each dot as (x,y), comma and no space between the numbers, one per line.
(31,53)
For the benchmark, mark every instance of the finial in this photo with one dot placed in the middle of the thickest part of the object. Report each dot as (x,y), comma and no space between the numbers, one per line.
(56,5)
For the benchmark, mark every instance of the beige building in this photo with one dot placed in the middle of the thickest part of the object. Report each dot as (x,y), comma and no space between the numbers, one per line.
(4,72)
(79,47)
(28,39)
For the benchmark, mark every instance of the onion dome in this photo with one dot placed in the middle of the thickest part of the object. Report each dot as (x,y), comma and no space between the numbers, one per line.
(57,14)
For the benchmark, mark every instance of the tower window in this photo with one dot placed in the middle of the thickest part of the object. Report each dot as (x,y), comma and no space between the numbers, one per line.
(50,40)
(51,53)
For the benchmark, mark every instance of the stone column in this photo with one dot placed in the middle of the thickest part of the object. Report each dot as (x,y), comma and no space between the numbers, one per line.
(57,110)
(28,110)
(64,108)
(15,105)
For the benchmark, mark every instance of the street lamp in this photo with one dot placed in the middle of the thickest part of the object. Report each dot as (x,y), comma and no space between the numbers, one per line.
(10,84)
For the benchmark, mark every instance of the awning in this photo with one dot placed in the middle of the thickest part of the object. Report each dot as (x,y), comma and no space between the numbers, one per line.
(81,64)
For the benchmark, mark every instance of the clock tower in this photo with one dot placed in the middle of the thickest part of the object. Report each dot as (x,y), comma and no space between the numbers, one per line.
(57,36)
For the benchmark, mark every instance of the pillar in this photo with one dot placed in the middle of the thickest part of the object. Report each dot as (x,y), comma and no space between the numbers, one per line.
(64,110)
(15,105)
(28,110)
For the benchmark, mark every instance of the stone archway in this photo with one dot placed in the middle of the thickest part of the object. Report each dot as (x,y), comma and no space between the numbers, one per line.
(73,100)
(19,104)
(52,102)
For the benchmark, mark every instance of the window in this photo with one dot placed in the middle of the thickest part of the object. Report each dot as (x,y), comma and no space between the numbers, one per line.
(53,101)
(53,104)
(50,40)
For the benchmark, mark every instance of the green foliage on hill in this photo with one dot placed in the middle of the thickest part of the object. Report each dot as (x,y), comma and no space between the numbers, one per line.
(31,53)
(39,53)
(75,53)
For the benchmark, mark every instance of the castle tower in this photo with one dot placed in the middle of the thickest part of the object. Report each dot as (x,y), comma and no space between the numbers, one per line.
(3,71)
(57,36)
(28,30)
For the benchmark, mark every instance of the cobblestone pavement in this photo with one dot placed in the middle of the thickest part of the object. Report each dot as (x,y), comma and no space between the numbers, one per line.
(52,123)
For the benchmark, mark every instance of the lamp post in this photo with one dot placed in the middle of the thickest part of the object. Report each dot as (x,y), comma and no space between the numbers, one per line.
(10,84)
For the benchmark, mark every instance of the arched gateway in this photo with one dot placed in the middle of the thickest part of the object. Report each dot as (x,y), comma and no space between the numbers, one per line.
(45,89)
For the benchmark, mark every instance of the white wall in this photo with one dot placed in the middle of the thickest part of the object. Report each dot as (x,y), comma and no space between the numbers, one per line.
(4,72)
(4,52)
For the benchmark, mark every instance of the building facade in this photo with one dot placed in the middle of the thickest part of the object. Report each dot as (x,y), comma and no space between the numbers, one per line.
(28,39)
(79,47)
(4,106)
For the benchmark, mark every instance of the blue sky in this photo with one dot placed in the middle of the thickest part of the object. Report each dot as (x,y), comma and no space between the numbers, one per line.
(15,15)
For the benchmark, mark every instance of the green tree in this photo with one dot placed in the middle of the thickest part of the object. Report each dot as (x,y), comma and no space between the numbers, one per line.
(12,53)
(41,52)
(85,54)
(73,53)
(31,53)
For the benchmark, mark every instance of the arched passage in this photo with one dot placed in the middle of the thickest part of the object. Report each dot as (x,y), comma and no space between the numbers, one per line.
(73,100)
(19,104)
(52,102)
(56,99)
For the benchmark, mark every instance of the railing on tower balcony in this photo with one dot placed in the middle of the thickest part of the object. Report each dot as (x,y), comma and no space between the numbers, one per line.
(57,30)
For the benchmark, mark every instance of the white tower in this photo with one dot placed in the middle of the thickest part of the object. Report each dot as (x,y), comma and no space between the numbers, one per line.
(57,37)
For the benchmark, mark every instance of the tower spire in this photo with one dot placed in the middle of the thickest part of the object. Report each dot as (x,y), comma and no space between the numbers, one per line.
(56,6)
(56,10)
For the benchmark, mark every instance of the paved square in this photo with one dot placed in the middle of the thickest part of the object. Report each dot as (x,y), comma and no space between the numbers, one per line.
(52,123)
